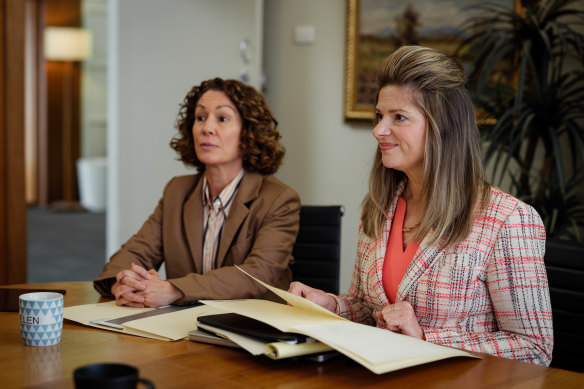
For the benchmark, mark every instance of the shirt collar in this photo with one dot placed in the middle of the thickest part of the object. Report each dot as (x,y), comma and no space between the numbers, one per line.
(226,195)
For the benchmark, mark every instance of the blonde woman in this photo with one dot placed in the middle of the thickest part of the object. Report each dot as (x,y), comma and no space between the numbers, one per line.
(442,255)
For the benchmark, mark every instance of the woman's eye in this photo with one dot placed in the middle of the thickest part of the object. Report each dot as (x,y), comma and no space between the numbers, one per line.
(378,117)
(400,117)
(223,118)
(199,118)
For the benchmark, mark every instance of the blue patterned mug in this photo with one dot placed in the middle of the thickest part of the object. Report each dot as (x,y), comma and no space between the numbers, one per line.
(41,318)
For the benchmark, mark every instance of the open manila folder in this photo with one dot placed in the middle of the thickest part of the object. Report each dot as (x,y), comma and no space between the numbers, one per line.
(379,350)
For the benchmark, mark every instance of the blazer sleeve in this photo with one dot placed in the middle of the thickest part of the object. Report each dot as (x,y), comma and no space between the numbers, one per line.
(271,231)
(357,304)
(144,249)
(516,280)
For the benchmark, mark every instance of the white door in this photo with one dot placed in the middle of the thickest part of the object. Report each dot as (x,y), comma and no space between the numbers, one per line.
(159,49)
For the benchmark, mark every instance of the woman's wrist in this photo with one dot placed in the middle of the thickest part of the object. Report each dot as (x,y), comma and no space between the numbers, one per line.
(334,305)
(175,292)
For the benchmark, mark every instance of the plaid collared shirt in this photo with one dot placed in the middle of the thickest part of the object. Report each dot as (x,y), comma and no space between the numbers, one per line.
(214,214)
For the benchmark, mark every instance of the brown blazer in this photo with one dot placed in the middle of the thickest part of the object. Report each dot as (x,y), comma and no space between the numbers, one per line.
(258,235)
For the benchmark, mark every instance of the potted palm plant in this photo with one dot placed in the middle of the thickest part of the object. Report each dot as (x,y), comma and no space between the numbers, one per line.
(527,78)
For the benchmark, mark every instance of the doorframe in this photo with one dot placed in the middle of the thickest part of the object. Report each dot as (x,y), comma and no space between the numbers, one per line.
(12,184)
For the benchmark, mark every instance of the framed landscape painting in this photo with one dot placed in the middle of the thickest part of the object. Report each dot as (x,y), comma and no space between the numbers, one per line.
(375,28)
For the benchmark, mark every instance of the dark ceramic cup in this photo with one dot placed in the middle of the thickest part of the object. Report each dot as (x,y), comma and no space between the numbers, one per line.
(108,376)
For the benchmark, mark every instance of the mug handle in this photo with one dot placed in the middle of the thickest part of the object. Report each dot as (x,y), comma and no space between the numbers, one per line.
(146,382)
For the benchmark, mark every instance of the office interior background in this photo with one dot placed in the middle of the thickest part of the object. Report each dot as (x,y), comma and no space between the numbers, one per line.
(148,53)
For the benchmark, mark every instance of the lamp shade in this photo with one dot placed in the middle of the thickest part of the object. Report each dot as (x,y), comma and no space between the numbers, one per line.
(67,44)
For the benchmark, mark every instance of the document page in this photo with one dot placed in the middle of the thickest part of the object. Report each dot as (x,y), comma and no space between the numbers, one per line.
(292,299)
(173,325)
(165,326)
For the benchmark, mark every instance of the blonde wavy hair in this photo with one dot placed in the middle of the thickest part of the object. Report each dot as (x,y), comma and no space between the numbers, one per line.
(454,179)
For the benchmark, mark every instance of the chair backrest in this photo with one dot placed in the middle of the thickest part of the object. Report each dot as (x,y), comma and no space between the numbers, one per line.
(565,267)
(317,251)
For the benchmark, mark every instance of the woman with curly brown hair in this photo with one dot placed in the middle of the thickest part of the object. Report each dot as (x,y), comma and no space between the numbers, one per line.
(232,212)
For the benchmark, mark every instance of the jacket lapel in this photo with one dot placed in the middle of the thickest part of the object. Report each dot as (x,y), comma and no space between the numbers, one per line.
(193,224)
(248,190)
(423,260)
(380,248)
(381,245)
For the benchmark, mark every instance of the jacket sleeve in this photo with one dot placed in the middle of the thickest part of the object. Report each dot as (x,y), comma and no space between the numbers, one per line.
(265,253)
(144,249)
(517,284)
(353,306)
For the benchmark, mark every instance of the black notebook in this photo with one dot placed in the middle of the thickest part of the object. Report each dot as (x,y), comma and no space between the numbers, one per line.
(249,327)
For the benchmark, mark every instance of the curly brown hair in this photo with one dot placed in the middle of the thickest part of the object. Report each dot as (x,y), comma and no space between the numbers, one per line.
(260,147)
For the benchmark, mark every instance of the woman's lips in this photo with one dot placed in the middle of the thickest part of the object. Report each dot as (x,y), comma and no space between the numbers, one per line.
(386,146)
(207,146)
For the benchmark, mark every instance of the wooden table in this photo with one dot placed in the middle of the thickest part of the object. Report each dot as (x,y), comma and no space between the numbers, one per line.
(186,364)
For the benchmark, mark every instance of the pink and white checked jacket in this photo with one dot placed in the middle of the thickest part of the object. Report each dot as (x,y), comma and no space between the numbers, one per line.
(488,293)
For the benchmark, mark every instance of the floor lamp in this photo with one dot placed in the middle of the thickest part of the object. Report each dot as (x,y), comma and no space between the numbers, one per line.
(67,45)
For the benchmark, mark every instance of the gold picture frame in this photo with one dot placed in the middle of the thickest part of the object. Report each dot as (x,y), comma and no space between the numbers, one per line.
(365,51)
(352,111)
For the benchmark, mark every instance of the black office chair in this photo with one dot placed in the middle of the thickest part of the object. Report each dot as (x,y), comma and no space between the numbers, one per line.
(317,251)
(565,267)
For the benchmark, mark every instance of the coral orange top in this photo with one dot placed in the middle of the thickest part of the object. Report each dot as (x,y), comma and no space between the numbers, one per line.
(397,259)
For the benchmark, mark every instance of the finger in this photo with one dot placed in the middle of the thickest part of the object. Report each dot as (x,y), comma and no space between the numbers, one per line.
(297,288)
(124,274)
(120,289)
(140,271)
(123,302)
(386,311)
(127,275)
(133,283)
(153,272)
(394,329)
(323,299)
(133,297)
(379,315)
(392,322)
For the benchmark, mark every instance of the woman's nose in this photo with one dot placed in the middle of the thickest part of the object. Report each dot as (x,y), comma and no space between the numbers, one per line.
(381,129)
(208,127)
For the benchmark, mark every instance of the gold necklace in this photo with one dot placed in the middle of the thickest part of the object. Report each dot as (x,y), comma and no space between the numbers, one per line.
(408,229)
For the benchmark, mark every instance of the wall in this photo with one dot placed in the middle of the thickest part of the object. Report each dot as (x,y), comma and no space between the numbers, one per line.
(94,81)
(327,160)
(156,53)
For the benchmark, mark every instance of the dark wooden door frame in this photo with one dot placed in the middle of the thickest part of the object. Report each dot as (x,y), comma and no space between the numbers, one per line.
(17,19)
(12,121)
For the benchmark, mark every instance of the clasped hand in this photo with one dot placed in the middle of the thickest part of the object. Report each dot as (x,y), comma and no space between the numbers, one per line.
(137,287)
(399,317)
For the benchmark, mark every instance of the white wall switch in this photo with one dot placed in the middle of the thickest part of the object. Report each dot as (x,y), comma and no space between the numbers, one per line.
(304,35)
